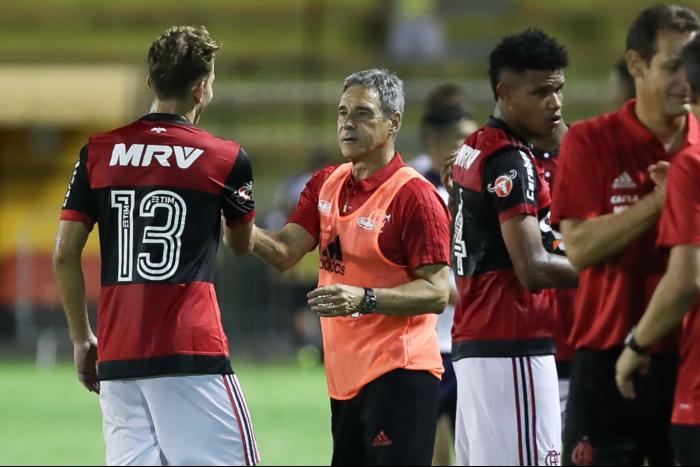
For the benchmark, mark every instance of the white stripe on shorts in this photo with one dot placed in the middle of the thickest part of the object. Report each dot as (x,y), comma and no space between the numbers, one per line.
(250,449)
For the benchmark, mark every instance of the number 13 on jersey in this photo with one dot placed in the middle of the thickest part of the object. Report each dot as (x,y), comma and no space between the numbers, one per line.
(167,236)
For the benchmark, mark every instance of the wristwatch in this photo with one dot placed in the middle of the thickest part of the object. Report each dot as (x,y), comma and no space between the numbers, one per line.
(369,302)
(631,342)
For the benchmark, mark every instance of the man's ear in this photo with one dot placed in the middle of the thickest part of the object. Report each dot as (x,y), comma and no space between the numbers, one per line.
(148,82)
(198,91)
(395,121)
(635,64)
(503,91)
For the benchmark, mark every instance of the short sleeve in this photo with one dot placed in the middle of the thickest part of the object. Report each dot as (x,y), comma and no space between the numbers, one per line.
(237,201)
(576,194)
(306,212)
(510,182)
(79,203)
(425,233)
(680,221)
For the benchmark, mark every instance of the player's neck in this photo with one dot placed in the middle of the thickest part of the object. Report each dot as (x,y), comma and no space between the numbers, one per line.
(505,117)
(174,107)
(372,162)
(670,130)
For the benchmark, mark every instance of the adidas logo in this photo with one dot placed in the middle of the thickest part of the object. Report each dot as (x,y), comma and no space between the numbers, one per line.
(158,129)
(381,440)
(623,181)
(332,257)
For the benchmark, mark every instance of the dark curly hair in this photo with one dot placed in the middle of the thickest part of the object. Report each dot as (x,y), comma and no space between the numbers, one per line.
(529,50)
(641,36)
(691,62)
(181,57)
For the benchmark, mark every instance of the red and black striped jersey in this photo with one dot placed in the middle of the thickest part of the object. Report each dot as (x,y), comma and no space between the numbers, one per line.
(157,189)
(496,178)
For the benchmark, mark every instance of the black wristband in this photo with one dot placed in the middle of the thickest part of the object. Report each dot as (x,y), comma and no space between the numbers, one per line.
(632,343)
(369,302)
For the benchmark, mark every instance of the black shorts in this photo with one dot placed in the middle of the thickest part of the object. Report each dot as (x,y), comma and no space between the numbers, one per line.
(392,421)
(448,391)
(686,444)
(603,428)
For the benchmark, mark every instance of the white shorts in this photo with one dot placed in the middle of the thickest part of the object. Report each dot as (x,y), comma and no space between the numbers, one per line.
(507,411)
(177,420)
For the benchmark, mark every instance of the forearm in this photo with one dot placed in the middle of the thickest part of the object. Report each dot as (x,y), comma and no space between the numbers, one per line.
(549,271)
(591,242)
(414,298)
(672,299)
(271,248)
(71,289)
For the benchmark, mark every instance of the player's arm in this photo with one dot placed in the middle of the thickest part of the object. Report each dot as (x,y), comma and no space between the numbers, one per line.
(535,267)
(510,182)
(238,206)
(590,233)
(238,237)
(673,298)
(77,220)
(428,293)
(282,249)
(590,242)
(70,241)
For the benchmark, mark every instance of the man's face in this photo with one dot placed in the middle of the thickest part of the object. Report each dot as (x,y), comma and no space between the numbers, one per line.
(534,100)
(662,83)
(362,126)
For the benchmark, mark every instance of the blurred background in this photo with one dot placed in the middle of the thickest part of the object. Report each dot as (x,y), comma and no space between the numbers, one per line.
(70,68)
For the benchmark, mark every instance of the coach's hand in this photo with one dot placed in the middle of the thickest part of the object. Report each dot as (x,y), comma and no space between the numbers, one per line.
(335,300)
(629,363)
(446,172)
(85,357)
(658,173)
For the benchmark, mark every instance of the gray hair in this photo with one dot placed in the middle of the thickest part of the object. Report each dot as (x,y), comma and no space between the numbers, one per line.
(388,86)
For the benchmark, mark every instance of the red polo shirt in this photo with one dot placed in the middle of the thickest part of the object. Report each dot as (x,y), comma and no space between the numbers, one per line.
(680,225)
(603,170)
(417,227)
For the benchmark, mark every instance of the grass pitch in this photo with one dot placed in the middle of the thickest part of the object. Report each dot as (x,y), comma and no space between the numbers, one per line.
(47,418)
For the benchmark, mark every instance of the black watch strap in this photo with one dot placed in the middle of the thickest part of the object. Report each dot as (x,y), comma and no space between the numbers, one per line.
(632,343)
(369,302)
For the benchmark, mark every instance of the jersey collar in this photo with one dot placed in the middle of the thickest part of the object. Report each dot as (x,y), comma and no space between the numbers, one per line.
(630,120)
(494,122)
(168,118)
(373,182)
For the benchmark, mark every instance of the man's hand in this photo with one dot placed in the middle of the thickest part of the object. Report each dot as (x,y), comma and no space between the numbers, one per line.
(85,357)
(335,300)
(446,172)
(658,173)
(629,363)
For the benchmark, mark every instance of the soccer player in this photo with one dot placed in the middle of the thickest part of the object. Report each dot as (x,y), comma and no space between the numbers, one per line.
(383,236)
(677,295)
(546,151)
(606,200)
(445,124)
(503,346)
(157,188)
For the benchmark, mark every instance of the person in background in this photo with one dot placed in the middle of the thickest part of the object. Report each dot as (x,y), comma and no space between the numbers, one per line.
(608,197)
(446,123)
(676,297)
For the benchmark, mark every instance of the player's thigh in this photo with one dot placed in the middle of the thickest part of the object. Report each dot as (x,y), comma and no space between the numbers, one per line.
(201,420)
(509,410)
(128,428)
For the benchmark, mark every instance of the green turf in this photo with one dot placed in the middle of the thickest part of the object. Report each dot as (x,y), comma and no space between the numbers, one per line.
(46,418)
